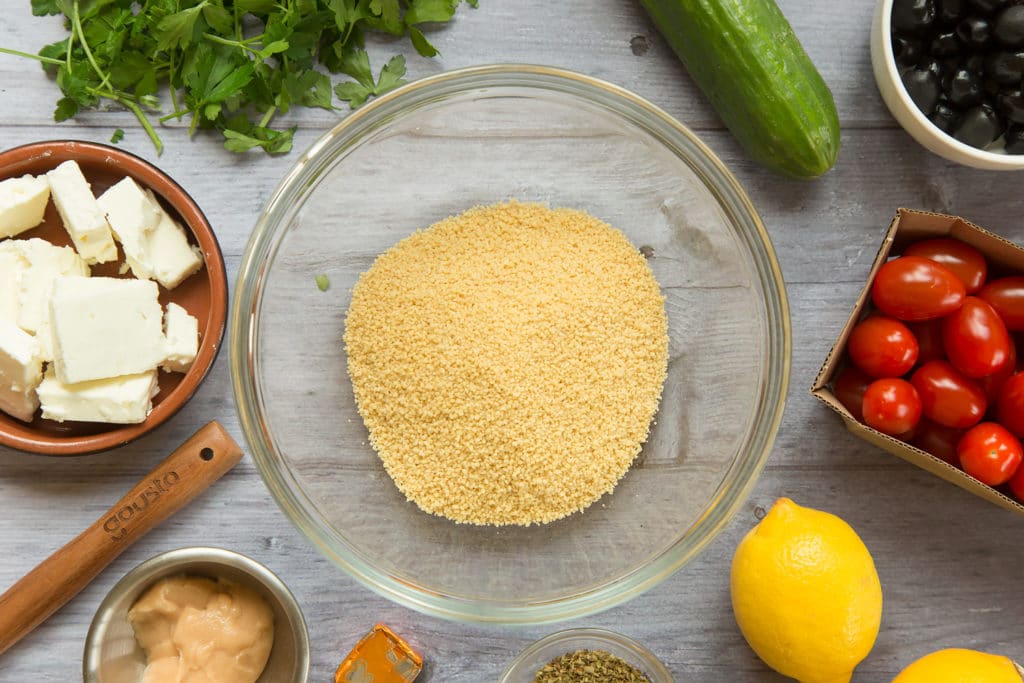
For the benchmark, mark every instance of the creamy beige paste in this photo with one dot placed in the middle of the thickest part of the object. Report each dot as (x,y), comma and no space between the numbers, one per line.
(196,630)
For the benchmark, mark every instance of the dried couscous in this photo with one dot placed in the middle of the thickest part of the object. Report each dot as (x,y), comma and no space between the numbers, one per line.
(508,362)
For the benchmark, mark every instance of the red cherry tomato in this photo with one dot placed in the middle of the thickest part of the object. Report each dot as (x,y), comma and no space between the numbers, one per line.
(938,440)
(849,389)
(1017,484)
(965,261)
(929,340)
(915,288)
(947,396)
(990,453)
(1006,295)
(891,406)
(993,384)
(882,347)
(975,339)
(1010,408)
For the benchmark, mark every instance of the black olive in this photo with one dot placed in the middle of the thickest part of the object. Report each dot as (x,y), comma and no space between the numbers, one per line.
(975,32)
(923,87)
(945,117)
(951,11)
(1011,105)
(987,6)
(1005,67)
(1015,140)
(964,89)
(978,127)
(991,88)
(944,44)
(935,66)
(1009,29)
(913,16)
(907,50)
(975,64)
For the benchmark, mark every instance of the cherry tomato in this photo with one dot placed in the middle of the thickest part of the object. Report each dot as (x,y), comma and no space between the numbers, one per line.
(975,339)
(993,384)
(1006,295)
(938,440)
(915,288)
(1010,408)
(882,347)
(891,406)
(929,340)
(990,453)
(1017,484)
(965,261)
(947,396)
(849,389)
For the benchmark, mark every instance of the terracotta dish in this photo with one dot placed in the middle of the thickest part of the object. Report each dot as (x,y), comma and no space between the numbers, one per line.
(204,294)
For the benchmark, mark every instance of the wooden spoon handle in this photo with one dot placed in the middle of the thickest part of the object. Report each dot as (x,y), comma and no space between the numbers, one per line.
(175,482)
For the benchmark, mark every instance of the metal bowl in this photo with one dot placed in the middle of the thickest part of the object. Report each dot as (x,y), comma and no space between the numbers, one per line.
(113,656)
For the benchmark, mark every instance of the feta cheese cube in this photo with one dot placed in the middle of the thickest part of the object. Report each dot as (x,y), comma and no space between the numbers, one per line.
(105,327)
(20,371)
(11,265)
(118,400)
(182,333)
(132,216)
(41,264)
(168,252)
(22,203)
(45,263)
(82,216)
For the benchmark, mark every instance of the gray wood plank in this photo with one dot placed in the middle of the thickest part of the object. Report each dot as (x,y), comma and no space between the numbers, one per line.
(944,556)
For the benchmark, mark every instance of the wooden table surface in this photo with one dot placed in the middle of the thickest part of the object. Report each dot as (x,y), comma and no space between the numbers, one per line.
(951,564)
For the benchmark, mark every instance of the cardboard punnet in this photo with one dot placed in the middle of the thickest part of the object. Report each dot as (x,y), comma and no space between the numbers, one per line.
(911,226)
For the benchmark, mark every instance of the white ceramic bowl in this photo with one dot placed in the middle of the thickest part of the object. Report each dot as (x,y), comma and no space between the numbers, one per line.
(890,84)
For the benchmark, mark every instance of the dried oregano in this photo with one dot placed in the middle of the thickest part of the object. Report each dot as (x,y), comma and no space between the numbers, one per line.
(589,666)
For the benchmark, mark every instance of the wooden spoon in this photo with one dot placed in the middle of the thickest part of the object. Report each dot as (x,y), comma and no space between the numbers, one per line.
(175,482)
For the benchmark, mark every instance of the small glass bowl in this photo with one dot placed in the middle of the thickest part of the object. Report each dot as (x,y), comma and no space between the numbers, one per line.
(529,662)
(479,136)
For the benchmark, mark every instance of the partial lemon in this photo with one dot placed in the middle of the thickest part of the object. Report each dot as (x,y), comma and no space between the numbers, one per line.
(960,666)
(806,594)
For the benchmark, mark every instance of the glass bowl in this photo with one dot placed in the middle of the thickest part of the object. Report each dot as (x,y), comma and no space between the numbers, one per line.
(524,668)
(435,148)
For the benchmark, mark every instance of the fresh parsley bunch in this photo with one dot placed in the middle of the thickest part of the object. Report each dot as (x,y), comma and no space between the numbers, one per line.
(231,65)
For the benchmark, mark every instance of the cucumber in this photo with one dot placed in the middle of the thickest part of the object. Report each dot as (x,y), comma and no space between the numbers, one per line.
(745,57)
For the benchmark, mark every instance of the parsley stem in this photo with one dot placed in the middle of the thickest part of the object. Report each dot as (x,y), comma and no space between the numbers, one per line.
(176,114)
(268,116)
(76,24)
(38,58)
(125,100)
(144,120)
(243,44)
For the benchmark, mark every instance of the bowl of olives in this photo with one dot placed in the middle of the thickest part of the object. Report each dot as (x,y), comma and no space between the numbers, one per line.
(951,72)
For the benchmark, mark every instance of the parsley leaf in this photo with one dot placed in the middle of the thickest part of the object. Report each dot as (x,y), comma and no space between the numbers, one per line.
(228,65)
(358,67)
(117,136)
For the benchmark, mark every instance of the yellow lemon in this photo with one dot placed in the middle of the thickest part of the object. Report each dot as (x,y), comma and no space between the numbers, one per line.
(960,666)
(806,594)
